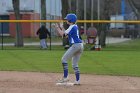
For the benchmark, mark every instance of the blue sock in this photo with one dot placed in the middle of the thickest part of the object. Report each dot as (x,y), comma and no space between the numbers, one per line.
(77,73)
(65,68)
(77,76)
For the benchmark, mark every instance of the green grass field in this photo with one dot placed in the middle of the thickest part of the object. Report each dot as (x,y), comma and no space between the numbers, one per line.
(125,60)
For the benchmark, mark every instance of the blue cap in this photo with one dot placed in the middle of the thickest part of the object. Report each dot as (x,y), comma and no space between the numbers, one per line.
(71,18)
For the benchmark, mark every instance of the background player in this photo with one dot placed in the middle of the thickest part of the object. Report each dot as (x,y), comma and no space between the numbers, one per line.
(75,50)
(43,32)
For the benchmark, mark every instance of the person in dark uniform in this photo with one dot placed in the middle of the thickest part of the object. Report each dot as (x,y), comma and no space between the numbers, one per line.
(43,32)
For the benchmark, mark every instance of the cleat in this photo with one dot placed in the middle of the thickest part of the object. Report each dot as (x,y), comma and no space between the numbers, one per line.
(63,80)
(77,83)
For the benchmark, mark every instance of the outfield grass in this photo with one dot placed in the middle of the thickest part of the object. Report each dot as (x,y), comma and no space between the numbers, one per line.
(131,45)
(106,62)
(103,62)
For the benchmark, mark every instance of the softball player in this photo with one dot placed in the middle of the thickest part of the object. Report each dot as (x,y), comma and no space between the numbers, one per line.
(75,50)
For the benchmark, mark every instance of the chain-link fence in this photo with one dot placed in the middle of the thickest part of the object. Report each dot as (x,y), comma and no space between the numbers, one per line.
(101,33)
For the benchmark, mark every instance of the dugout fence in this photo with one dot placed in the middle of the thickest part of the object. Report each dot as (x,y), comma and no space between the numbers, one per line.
(114,36)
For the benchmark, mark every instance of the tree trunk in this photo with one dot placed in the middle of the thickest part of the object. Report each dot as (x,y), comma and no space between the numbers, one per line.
(103,27)
(102,35)
(43,11)
(19,37)
(135,5)
(65,8)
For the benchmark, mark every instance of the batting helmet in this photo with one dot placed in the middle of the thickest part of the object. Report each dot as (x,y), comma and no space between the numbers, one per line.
(72,18)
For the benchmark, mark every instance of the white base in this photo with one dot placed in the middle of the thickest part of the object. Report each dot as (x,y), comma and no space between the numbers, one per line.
(65,84)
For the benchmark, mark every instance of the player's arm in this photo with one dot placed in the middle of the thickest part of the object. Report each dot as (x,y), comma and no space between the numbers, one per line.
(60,30)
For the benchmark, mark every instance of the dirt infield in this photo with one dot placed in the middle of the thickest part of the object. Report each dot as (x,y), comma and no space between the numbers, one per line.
(33,82)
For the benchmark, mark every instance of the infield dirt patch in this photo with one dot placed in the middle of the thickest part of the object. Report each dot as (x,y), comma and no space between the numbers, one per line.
(34,82)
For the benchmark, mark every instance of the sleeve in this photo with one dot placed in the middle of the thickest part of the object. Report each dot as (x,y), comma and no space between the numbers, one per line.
(68,30)
(38,31)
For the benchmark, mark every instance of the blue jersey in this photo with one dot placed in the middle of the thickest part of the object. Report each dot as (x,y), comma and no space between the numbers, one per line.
(73,34)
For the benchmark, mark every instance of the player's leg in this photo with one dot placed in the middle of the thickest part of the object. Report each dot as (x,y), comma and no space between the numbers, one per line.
(75,66)
(75,61)
(64,61)
(68,54)
(43,43)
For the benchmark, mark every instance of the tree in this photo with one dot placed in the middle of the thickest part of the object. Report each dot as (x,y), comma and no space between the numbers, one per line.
(19,37)
(65,8)
(43,11)
(135,5)
(106,12)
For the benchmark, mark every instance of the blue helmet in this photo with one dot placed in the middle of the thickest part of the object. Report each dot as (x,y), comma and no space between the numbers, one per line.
(72,18)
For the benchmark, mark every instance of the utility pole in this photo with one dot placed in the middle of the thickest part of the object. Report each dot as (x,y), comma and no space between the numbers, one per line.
(98,8)
(77,9)
(85,12)
(98,17)
(69,5)
(92,12)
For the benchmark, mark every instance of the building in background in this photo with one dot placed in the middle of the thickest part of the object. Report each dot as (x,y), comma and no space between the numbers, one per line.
(30,10)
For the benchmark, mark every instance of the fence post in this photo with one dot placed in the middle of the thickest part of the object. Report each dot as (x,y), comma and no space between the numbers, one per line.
(2,35)
(50,36)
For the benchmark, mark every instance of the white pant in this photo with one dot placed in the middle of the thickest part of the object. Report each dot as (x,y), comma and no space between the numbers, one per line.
(43,43)
(73,52)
